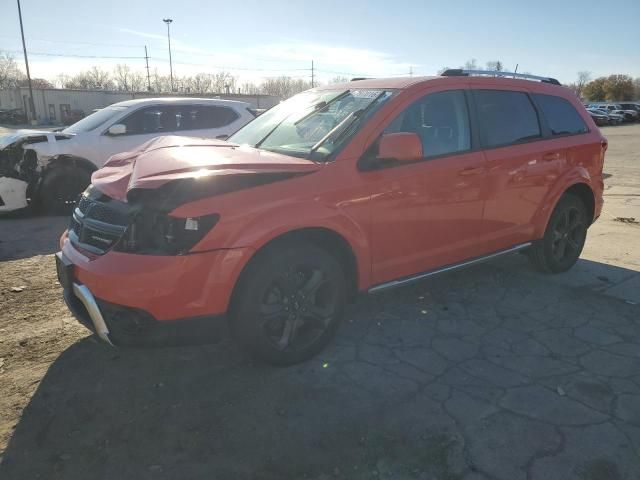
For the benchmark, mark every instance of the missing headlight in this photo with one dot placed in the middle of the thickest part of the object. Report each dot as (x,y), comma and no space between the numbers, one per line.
(155,233)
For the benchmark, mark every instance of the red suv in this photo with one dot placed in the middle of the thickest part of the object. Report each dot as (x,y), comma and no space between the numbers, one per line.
(356,187)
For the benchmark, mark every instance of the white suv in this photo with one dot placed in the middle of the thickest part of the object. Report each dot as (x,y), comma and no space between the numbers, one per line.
(55,168)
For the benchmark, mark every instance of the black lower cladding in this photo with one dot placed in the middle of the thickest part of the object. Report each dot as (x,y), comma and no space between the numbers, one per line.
(134,327)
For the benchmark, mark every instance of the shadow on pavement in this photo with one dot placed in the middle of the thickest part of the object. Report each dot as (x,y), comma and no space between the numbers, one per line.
(24,237)
(486,373)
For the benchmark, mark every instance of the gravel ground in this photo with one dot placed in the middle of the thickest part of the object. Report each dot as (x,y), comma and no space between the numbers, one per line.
(494,372)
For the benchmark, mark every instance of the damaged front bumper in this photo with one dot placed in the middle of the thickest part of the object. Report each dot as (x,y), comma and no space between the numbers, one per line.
(119,325)
(13,194)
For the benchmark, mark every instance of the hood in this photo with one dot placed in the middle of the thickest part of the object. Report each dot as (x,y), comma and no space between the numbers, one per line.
(198,164)
(16,135)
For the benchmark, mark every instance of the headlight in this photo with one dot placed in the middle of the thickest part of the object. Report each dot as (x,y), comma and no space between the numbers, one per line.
(156,233)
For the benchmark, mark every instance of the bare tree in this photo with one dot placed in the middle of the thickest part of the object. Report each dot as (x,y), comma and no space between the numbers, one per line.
(470,64)
(584,77)
(284,87)
(495,65)
(10,74)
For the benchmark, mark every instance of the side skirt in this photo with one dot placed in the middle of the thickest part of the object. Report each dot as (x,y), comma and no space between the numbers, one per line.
(467,263)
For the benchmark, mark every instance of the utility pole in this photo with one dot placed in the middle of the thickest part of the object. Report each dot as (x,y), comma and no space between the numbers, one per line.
(32,107)
(312,75)
(146,57)
(168,22)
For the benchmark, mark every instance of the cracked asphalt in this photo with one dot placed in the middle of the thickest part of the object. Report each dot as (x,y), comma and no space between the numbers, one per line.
(494,372)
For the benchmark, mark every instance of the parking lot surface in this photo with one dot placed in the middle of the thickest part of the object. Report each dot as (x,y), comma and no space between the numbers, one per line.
(494,372)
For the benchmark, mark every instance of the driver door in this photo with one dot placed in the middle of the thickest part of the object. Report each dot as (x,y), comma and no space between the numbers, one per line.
(428,214)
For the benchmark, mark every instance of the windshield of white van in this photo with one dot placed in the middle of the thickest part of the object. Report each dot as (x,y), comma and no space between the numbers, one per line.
(312,123)
(94,120)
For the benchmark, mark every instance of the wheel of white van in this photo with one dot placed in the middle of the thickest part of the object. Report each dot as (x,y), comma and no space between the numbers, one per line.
(61,187)
(564,237)
(289,303)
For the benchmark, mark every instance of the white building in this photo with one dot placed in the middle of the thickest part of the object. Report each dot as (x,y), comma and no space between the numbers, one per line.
(51,103)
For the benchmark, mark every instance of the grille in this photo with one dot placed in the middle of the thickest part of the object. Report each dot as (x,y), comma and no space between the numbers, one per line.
(98,223)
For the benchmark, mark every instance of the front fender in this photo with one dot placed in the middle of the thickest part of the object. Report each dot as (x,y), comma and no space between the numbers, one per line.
(575,176)
(258,226)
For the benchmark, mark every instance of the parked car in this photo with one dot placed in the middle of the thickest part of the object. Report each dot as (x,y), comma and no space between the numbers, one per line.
(632,107)
(346,188)
(614,118)
(12,116)
(69,117)
(60,165)
(628,115)
(599,117)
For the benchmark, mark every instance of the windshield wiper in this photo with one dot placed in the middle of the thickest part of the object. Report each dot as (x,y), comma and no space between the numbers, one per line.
(318,107)
(343,126)
(315,109)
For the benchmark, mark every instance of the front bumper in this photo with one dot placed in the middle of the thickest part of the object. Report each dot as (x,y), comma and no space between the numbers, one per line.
(168,288)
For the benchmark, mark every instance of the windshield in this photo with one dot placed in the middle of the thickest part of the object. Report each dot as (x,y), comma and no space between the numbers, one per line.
(94,120)
(312,123)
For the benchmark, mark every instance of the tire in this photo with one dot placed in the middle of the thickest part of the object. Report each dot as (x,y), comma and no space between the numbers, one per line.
(61,187)
(563,240)
(289,303)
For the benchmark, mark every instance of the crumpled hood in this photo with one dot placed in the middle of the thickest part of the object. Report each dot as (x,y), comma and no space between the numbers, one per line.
(167,159)
(16,135)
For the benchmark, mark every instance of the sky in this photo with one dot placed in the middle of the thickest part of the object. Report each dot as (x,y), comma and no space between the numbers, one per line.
(257,39)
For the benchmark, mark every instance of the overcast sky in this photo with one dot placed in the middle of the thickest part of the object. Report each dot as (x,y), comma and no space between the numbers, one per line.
(254,39)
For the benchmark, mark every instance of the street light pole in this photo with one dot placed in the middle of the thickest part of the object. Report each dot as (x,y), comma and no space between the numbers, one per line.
(168,22)
(32,107)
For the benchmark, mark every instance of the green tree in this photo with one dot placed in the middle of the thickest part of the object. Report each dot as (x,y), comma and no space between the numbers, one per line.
(619,87)
(595,90)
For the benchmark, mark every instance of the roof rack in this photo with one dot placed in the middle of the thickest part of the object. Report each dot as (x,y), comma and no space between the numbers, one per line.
(459,72)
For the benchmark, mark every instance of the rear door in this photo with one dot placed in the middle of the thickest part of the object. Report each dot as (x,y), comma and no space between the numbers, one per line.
(521,165)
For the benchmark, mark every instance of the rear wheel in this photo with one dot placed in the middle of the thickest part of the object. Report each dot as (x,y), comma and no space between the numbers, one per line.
(61,187)
(564,237)
(289,303)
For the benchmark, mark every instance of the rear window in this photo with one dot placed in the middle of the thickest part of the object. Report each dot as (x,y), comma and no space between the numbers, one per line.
(506,117)
(561,116)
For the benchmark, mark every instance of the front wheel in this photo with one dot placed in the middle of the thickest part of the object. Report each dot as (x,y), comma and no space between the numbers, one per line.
(564,237)
(289,303)
(61,187)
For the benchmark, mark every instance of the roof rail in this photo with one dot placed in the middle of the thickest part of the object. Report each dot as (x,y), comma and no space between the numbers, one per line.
(355,79)
(459,72)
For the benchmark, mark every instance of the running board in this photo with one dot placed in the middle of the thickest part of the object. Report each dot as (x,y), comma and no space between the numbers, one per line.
(455,266)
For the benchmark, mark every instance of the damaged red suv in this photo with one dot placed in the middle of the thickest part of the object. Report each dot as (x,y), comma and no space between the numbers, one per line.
(357,187)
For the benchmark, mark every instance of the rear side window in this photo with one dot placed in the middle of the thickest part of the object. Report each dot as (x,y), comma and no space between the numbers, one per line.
(199,117)
(506,117)
(561,117)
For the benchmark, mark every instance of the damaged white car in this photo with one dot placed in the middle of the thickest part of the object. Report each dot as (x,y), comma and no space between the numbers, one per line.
(50,169)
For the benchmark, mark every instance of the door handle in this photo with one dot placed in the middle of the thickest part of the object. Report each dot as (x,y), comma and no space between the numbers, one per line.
(547,157)
(471,171)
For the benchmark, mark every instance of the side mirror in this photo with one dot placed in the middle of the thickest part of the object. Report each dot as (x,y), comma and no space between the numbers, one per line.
(402,147)
(117,129)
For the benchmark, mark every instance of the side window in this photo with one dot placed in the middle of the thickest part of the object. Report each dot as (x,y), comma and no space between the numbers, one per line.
(151,120)
(505,117)
(200,117)
(561,117)
(440,119)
